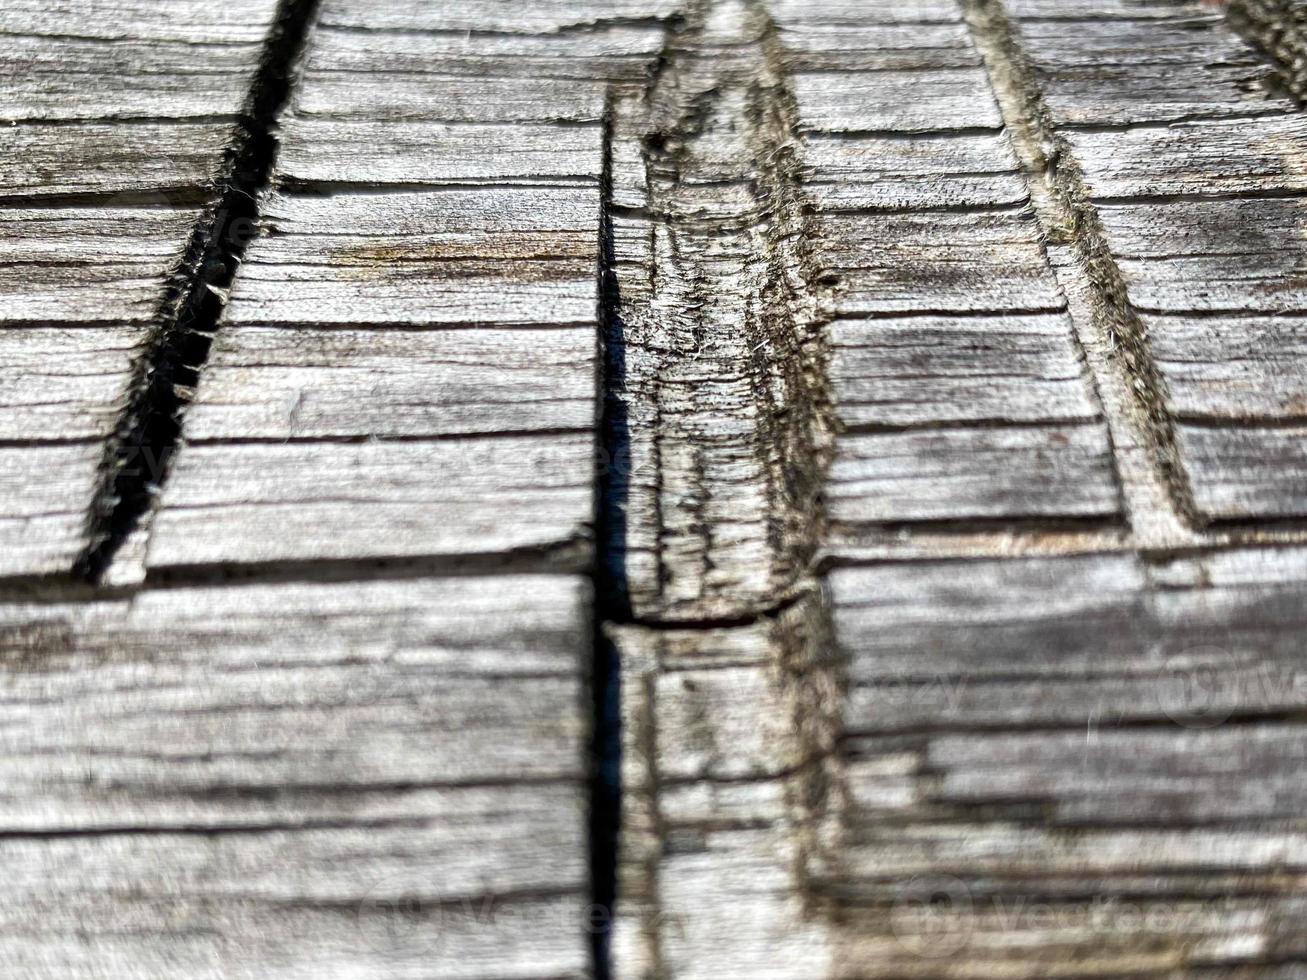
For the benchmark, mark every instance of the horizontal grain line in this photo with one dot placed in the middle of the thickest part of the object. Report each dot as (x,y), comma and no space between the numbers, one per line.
(351,439)
(346,188)
(965,424)
(1198,197)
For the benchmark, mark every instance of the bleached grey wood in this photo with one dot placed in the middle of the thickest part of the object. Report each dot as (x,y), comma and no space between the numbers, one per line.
(80,279)
(305,382)
(861,44)
(62,382)
(940,369)
(87,265)
(346,151)
(1009,755)
(407,788)
(616,49)
(233,502)
(973,473)
(1261,156)
(1125,63)
(160,160)
(846,318)
(1249,471)
(425,97)
(724,730)
(1255,233)
(548,17)
(426,258)
(908,101)
(463,270)
(986,262)
(44,491)
(854,12)
(848,172)
(1232,368)
(127,59)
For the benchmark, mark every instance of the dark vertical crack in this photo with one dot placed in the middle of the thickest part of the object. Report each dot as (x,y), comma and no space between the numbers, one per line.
(1047,159)
(139,452)
(1277,28)
(610,579)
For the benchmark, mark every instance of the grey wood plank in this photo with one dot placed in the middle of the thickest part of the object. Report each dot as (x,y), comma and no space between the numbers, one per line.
(120,114)
(618,50)
(62,383)
(1242,258)
(424,259)
(854,12)
(1149,66)
(856,172)
(1200,212)
(392,931)
(161,160)
(422,95)
(419,258)
(939,262)
(720,729)
(407,789)
(242,23)
(346,151)
(1209,158)
(87,265)
(77,285)
(1247,471)
(1232,368)
(1147,11)
(863,44)
(1023,733)
(940,369)
(973,473)
(310,382)
(908,101)
(44,489)
(547,17)
(257,502)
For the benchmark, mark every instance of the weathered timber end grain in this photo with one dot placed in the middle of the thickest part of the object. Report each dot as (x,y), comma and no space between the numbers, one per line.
(653,489)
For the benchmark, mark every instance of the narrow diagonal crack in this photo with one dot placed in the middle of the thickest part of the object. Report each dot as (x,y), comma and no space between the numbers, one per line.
(139,451)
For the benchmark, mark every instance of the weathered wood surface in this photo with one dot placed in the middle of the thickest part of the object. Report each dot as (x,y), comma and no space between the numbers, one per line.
(895,411)
(117,115)
(192,789)
(343,768)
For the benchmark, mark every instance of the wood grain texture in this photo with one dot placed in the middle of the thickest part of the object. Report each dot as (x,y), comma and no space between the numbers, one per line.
(724,733)
(1100,70)
(1200,216)
(407,788)
(119,114)
(1079,765)
(1098,736)
(823,340)
(284,779)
